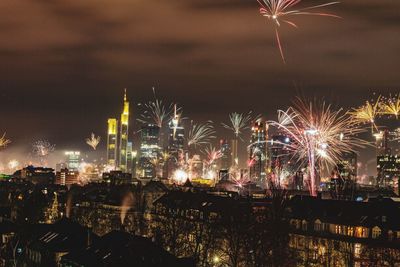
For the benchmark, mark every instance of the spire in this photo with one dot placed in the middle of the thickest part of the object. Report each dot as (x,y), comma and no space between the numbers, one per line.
(124,94)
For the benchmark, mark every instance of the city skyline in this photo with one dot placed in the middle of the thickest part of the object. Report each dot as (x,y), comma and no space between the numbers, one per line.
(24,154)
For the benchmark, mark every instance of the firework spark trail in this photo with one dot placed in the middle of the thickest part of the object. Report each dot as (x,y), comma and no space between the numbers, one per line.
(212,154)
(367,113)
(391,106)
(278,10)
(42,148)
(238,122)
(201,134)
(93,141)
(175,121)
(319,135)
(156,111)
(4,141)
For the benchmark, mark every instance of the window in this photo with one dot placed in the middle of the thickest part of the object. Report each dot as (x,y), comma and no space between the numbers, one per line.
(390,235)
(361,232)
(304,225)
(317,225)
(357,250)
(350,231)
(376,232)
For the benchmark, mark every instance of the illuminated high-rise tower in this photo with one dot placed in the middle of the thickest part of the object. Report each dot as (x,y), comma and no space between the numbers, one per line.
(112,142)
(226,154)
(123,136)
(176,141)
(258,153)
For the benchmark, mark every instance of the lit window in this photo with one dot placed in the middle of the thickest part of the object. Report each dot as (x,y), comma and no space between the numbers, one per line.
(376,232)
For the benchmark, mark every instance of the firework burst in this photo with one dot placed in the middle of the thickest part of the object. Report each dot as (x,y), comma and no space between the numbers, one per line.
(13,164)
(279,11)
(391,106)
(156,111)
(93,141)
(200,134)
(42,148)
(238,122)
(212,154)
(319,136)
(4,141)
(367,113)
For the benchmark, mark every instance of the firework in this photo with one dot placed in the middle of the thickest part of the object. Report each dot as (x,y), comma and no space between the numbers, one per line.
(13,164)
(175,122)
(42,148)
(200,134)
(156,111)
(238,122)
(278,11)
(367,113)
(212,154)
(4,141)
(391,106)
(180,176)
(319,136)
(93,141)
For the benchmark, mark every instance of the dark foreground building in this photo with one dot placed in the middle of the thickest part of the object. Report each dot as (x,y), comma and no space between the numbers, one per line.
(118,249)
(345,233)
(49,242)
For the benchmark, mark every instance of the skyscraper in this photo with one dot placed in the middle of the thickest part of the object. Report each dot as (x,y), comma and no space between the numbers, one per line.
(382,143)
(226,154)
(150,150)
(347,166)
(388,167)
(123,136)
(176,141)
(234,155)
(73,159)
(129,157)
(258,153)
(112,142)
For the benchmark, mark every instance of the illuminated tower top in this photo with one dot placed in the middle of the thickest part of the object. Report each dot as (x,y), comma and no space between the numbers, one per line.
(125,112)
(123,136)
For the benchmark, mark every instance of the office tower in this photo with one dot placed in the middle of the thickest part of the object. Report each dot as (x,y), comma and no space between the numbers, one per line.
(72,160)
(196,167)
(176,141)
(382,143)
(281,165)
(347,166)
(234,154)
(134,163)
(123,136)
(112,142)
(129,157)
(67,177)
(258,153)
(388,167)
(226,155)
(150,150)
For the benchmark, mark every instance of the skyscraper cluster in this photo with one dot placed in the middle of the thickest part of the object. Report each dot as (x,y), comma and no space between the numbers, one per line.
(119,148)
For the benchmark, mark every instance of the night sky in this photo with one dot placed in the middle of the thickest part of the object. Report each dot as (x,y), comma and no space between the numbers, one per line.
(64,64)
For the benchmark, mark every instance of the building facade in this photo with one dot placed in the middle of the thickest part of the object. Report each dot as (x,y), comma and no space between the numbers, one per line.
(123,137)
(258,153)
(112,143)
(150,150)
